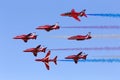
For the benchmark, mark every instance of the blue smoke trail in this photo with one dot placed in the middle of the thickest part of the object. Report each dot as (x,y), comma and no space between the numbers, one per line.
(106,15)
(94,60)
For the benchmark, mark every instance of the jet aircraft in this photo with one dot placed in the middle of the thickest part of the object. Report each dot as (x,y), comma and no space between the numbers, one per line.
(75,14)
(46,60)
(48,27)
(77,57)
(26,37)
(80,37)
(36,50)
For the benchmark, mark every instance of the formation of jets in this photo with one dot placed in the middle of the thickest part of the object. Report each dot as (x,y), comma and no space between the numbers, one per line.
(38,48)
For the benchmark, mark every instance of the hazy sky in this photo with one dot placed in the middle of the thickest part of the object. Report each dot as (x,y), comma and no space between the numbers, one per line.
(23,16)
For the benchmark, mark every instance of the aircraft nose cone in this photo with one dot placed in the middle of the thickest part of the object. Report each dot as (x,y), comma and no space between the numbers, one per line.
(70,38)
(66,57)
(25,50)
(14,37)
(36,59)
(37,28)
(62,14)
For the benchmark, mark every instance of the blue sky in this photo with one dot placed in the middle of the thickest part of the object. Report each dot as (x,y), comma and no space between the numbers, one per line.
(23,16)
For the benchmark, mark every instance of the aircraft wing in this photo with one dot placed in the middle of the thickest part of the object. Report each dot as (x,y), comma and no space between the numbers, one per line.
(28,34)
(25,40)
(38,46)
(47,55)
(47,29)
(34,53)
(47,65)
(76,17)
(76,61)
(79,53)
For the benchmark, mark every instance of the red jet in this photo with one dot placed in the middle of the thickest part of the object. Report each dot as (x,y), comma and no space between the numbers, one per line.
(80,37)
(48,27)
(77,57)
(26,37)
(46,60)
(36,50)
(75,14)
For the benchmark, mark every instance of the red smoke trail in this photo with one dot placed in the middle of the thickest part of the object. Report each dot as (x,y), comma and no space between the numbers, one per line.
(95,48)
(94,27)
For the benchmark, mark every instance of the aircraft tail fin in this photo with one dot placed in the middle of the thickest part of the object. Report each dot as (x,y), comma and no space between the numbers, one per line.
(88,36)
(84,13)
(44,49)
(56,26)
(31,35)
(34,33)
(55,60)
(35,37)
(85,56)
(89,33)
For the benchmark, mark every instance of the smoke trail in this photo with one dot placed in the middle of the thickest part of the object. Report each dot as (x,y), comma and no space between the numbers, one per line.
(106,15)
(106,36)
(94,60)
(108,56)
(59,36)
(94,48)
(94,27)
